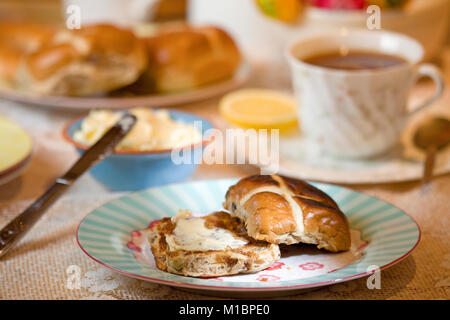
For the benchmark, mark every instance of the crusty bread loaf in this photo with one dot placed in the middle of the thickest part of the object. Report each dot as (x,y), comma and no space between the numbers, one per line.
(81,62)
(279,210)
(247,257)
(183,57)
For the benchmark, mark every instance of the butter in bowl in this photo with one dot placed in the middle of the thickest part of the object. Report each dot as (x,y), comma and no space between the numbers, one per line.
(143,158)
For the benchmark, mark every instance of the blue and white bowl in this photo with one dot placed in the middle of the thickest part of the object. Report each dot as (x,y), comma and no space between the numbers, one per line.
(135,170)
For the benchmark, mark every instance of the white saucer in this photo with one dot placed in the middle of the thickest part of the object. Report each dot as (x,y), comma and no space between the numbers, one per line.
(300,159)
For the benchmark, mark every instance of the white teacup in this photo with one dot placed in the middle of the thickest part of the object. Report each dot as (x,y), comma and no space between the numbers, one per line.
(357,113)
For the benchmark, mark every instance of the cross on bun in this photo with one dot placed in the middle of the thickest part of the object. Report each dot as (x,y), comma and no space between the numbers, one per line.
(185,57)
(81,62)
(280,210)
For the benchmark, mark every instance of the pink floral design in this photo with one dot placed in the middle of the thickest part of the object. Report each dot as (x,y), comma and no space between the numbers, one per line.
(339,4)
(153,223)
(309,266)
(267,278)
(363,246)
(275,266)
(133,247)
(136,233)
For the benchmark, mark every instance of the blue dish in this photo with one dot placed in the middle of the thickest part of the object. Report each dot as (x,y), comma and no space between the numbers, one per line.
(129,171)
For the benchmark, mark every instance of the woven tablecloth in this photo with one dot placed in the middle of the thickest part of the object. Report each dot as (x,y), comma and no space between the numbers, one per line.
(37,268)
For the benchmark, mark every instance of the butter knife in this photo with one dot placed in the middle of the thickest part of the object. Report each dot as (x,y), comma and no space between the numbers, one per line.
(19,226)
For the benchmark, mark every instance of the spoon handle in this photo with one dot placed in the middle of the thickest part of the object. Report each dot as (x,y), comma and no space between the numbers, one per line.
(429,164)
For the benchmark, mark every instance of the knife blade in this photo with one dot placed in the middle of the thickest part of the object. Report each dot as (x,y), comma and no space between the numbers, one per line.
(20,225)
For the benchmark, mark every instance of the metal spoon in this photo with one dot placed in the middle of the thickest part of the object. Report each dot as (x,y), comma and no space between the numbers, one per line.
(432,136)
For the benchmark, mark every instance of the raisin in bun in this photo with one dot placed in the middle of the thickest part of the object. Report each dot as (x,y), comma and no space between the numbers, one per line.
(183,57)
(279,210)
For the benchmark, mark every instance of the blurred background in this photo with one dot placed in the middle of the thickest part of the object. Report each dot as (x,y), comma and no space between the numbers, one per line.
(427,20)
(258,37)
(51,11)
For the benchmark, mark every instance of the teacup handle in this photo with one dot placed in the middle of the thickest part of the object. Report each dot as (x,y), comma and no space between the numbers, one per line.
(431,71)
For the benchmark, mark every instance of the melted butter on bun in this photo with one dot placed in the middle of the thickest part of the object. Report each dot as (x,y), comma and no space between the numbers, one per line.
(191,234)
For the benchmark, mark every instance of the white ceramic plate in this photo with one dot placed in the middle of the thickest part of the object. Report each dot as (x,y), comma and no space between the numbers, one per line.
(153,100)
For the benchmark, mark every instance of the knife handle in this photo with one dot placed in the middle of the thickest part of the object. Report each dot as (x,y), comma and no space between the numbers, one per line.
(19,226)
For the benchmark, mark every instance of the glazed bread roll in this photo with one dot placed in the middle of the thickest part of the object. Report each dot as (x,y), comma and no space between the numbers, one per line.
(81,62)
(279,210)
(183,57)
(17,40)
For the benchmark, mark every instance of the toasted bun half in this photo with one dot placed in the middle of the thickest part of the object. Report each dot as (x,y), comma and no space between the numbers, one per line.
(278,210)
(253,256)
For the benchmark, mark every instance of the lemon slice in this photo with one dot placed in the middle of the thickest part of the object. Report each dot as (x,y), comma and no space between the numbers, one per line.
(260,109)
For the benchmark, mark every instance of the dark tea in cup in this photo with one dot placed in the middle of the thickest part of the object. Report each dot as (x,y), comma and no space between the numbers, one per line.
(354,60)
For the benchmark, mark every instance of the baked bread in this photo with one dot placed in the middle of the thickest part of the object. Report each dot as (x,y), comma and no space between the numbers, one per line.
(279,210)
(80,62)
(183,57)
(17,40)
(210,246)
